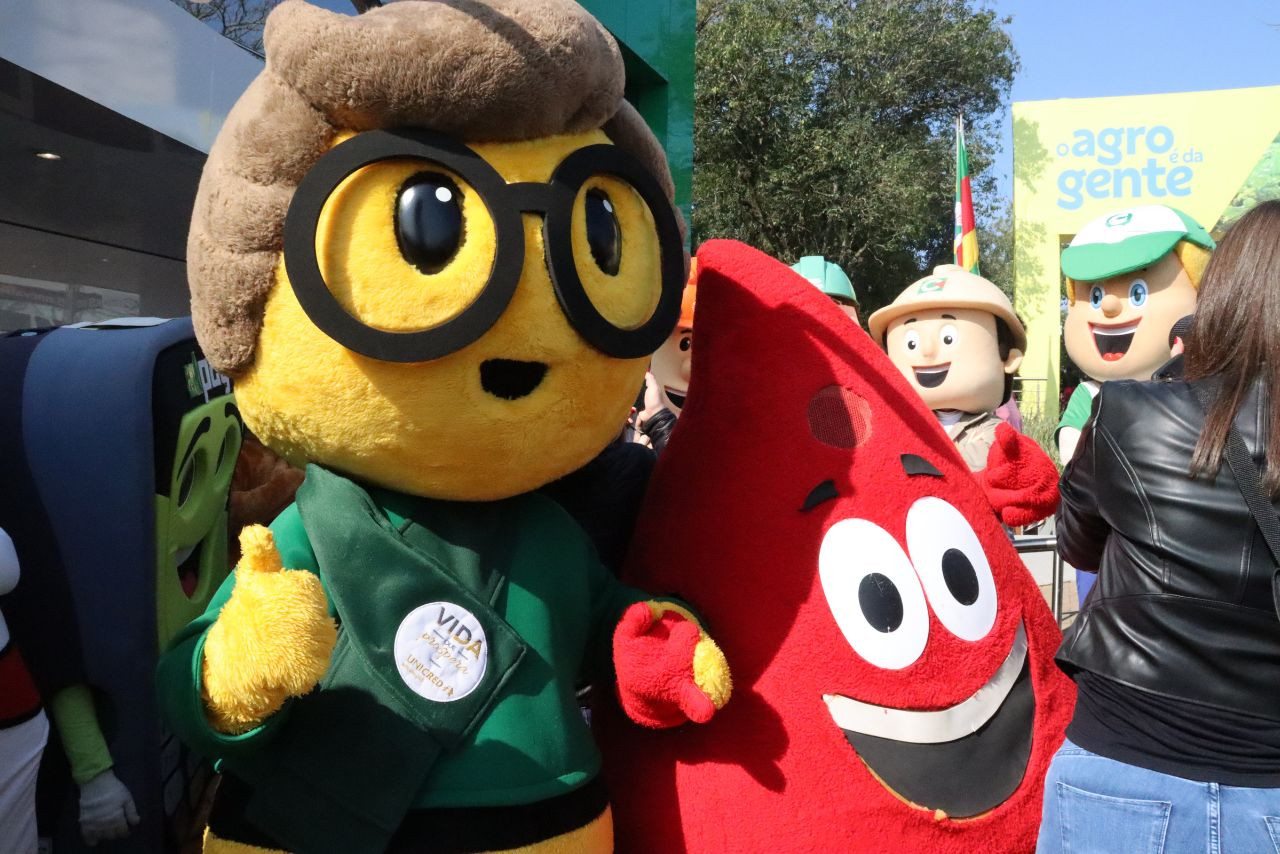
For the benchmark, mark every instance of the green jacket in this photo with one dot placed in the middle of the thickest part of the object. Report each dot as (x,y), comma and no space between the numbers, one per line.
(547,608)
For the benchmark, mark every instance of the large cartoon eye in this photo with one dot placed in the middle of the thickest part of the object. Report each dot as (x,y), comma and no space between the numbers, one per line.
(187,481)
(686,341)
(952,567)
(616,251)
(949,335)
(429,221)
(1095,296)
(911,339)
(604,236)
(1137,292)
(873,593)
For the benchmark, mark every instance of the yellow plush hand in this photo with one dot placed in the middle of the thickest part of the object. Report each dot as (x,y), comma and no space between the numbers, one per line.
(271,641)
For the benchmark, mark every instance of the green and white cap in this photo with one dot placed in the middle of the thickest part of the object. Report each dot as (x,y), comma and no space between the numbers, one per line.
(1129,240)
(827,277)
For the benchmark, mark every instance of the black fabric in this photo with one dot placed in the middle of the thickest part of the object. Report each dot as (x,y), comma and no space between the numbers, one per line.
(1183,606)
(604,497)
(965,777)
(438,831)
(913,464)
(1249,481)
(1173,736)
(659,427)
(824,491)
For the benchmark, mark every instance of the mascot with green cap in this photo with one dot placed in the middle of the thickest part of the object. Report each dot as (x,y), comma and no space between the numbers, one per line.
(827,277)
(1131,275)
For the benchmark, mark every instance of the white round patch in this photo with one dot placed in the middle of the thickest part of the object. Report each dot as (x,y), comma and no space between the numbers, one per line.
(441,651)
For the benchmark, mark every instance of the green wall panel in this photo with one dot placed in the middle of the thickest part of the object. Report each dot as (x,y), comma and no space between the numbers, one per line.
(657,39)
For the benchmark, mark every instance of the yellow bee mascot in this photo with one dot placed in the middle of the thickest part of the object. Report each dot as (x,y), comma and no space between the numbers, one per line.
(435,249)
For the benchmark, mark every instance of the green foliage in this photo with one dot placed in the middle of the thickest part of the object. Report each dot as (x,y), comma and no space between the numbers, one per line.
(995,249)
(825,127)
(1041,428)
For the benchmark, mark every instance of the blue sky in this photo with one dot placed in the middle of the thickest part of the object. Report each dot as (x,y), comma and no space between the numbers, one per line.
(1100,48)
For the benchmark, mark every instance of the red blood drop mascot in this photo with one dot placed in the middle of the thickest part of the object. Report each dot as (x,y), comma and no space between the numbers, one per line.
(893,658)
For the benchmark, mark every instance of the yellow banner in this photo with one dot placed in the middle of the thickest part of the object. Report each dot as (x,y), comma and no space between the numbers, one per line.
(1211,154)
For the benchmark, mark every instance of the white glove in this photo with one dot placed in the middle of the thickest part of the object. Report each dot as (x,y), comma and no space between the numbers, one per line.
(106,809)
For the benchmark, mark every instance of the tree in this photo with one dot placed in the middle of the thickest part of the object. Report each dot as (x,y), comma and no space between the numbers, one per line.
(825,127)
(239,20)
(995,248)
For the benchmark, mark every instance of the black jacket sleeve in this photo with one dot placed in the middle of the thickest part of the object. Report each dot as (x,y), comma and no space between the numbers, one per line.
(1082,531)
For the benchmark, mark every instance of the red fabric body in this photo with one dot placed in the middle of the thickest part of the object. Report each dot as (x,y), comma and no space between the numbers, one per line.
(18,697)
(723,528)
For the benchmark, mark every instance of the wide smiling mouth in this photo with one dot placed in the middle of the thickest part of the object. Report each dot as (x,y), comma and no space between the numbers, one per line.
(510,379)
(1113,341)
(676,397)
(932,376)
(188,568)
(957,762)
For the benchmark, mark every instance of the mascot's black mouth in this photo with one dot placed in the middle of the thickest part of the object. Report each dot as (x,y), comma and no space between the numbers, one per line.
(1113,341)
(932,377)
(189,568)
(675,397)
(966,776)
(510,379)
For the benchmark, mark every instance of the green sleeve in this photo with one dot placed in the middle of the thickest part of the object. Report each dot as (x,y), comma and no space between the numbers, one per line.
(609,599)
(77,722)
(1079,406)
(178,675)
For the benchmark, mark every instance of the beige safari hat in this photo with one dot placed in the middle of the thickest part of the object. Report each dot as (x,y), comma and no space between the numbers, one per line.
(949,287)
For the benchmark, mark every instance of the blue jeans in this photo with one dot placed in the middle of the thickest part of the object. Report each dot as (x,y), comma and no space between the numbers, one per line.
(1095,805)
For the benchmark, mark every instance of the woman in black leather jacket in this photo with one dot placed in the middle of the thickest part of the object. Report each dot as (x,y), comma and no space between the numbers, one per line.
(1175,743)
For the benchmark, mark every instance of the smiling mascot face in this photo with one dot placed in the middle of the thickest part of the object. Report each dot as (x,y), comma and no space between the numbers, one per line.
(408,245)
(893,658)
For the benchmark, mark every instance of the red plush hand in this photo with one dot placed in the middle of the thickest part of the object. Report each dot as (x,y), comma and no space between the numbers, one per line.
(1020,480)
(654,659)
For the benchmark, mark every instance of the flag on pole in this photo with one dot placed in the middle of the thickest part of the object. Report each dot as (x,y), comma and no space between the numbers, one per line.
(966,238)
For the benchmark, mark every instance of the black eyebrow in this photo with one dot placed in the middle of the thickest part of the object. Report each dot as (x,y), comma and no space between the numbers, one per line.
(913,465)
(908,320)
(824,491)
(949,316)
(204,427)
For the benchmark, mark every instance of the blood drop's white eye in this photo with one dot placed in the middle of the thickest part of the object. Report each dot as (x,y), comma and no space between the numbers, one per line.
(952,567)
(873,593)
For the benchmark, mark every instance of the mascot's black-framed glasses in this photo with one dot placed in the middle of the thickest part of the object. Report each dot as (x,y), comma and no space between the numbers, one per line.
(505,204)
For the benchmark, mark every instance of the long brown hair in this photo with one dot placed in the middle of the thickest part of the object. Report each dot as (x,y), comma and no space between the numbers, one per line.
(1236,335)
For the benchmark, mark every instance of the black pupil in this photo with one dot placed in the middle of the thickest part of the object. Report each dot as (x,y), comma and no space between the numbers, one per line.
(603,235)
(685,343)
(962,581)
(188,480)
(880,602)
(429,221)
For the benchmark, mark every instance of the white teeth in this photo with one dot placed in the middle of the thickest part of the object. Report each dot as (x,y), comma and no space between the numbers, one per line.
(932,371)
(182,554)
(943,725)
(1127,329)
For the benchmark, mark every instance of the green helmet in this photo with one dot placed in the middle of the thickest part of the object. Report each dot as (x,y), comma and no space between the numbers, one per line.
(827,277)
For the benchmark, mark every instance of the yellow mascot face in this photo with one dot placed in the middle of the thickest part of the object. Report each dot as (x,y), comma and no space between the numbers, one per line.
(403,247)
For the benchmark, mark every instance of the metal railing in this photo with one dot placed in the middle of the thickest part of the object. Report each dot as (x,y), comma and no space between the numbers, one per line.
(1032,545)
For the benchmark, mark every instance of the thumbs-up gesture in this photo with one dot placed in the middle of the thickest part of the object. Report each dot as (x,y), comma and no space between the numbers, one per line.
(271,641)
(1020,481)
